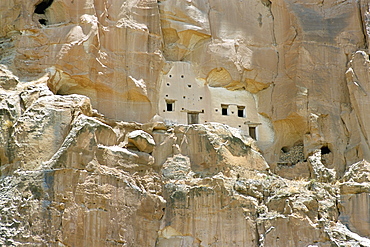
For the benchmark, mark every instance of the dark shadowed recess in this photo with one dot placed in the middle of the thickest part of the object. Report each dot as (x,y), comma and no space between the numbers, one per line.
(42,6)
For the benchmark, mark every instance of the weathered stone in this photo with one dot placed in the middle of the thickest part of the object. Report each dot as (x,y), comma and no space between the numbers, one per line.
(293,75)
(358,172)
(142,140)
(80,145)
(7,80)
(355,212)
(318,170)
(125,159)
(293,171)
(177,167)
(36,141)
(201,201)
(293,231)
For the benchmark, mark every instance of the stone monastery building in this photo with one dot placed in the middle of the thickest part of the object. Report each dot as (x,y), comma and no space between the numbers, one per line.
(185,99)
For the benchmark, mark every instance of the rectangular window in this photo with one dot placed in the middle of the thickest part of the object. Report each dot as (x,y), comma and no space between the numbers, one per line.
(252,132)
(225,110)
(170,105)
(241,111)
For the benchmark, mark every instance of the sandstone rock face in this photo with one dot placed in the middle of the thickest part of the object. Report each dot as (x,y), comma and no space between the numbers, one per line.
(84,183)
(142,140)
(262,142)
(109,51)
(355,198)
(292,67)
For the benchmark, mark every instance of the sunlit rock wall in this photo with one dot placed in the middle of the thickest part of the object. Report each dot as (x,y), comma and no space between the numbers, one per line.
(292,56)
(107,50)
(75,76)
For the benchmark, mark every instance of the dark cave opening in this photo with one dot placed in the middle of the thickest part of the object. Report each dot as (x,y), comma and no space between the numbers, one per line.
(42,6)
(325,150)
(43,22)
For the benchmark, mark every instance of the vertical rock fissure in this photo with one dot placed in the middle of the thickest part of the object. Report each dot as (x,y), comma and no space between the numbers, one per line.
(347,136)
(363,26)
(268,4)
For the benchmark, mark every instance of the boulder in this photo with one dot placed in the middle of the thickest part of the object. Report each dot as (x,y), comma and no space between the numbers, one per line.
(142,140)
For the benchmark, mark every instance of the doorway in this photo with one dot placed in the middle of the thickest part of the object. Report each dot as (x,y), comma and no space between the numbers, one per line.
(193,118)
(252,132)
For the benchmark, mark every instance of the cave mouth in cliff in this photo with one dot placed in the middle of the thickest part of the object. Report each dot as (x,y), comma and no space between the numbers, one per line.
(325,150)
(41,7)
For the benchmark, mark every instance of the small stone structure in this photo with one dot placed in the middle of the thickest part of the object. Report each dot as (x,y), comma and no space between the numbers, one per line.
(185,99)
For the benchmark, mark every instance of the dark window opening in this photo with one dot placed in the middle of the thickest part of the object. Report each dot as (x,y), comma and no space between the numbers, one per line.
(325,150)
(200,97)
(184,97)
(43,22)
(170,75)
(252,132)
(224,110)
(189,85)
(193,118)
(182,76)
(170,105)
(168,84)
(241,111)
(42,6)
(285,149)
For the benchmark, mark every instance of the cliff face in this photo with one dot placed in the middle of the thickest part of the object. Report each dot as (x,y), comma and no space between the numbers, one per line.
(86,158)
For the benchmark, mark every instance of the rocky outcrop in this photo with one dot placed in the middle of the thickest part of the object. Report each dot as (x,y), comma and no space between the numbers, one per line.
(97,49)
(85,159)
(291,56)
(142,140)
(77,179)
(355,198)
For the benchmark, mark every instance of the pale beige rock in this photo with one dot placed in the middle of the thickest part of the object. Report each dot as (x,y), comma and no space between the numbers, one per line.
(296,171)
(318,170)
(69,177)
(293,231)
(354,201)
(356,75)
(191,220)
(35,141)
(358,172)
(280,56)
(355,214)
(142,140)
(214,147)
(69,33)
(343,236)
(177,167)
(123,158)
(7,80)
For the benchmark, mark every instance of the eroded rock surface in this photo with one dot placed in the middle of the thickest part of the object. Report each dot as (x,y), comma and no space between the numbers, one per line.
(87,158)
(202,185)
